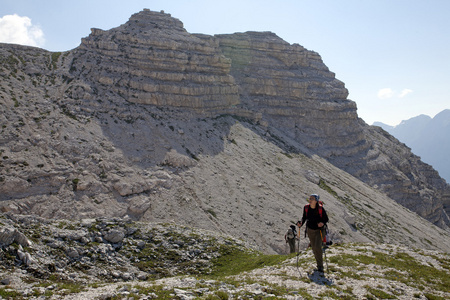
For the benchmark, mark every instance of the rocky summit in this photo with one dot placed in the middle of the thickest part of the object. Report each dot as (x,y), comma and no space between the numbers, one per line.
(228,133)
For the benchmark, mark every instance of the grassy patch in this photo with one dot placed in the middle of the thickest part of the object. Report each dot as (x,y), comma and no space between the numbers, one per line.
(324,186)
(433,297)
(159,290)
(233,261)
(378,294)
(9,294)
(408,270)
(304,293)
(67,288)
(162,262)
(55,57)
(329,294)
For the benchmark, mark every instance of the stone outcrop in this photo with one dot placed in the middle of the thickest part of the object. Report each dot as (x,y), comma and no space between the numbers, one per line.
(226,132)
(153,60)
(11,235)
(295,92)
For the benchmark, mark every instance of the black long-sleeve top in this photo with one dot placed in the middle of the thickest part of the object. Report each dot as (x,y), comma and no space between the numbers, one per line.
(313,218)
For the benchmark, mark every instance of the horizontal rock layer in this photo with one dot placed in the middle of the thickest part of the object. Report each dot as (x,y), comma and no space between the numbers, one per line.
(153,60)
(294,91)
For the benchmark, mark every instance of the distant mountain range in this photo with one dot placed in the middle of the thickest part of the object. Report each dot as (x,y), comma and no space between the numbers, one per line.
(427,137)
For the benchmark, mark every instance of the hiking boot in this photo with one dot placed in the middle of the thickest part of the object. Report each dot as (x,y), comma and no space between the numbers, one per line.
(319,270)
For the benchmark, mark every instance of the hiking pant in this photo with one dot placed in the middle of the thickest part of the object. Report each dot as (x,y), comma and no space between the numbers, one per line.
(291,243)
(316,244)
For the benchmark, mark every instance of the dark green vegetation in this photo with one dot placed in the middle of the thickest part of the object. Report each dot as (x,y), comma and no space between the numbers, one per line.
(234,261)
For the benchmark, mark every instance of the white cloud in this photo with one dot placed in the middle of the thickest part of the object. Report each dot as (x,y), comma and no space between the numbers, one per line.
(404,93)
(19,30)
(385,93)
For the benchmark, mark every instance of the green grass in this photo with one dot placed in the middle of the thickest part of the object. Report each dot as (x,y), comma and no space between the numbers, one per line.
(234,261)
(329,294)
(408,270)
(55,57)
(304,293)
(64,287)
(9,294)
(159,290)
(433,297)
(378,294)
(324,186)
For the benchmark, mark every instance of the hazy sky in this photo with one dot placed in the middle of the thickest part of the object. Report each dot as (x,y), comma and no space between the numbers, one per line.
(392,55)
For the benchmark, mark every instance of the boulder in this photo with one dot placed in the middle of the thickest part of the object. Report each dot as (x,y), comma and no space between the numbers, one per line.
(114,236)
(10,235)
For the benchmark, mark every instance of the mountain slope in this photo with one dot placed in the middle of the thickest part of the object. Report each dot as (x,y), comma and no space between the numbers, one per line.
(150,122)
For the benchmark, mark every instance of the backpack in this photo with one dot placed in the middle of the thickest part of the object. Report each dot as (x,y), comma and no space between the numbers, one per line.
(291,234)
(320,208)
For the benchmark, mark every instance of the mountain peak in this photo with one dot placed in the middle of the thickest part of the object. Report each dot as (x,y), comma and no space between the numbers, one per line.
(147,19)
(420,119)
(429,138)
(443,118)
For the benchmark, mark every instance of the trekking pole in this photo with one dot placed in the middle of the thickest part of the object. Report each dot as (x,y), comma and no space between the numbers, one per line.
(324,249)
(298,251)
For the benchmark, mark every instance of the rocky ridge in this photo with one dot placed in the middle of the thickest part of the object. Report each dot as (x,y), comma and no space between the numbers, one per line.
(95,131)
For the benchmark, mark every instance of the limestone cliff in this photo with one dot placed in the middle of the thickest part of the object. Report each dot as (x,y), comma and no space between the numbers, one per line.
(153,60)
(226,132)
(297,94)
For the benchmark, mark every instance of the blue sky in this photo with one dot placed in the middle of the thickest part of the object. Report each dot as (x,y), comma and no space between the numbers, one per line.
(392,55)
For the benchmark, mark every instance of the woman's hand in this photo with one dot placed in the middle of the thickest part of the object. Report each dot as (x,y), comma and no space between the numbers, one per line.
(320,225)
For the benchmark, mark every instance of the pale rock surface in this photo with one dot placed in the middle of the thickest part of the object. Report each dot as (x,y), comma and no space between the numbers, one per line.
(10,235)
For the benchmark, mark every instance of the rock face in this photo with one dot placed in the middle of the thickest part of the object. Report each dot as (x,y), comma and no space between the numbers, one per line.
(227,132)
(391,167)
(153,60)
(297,94)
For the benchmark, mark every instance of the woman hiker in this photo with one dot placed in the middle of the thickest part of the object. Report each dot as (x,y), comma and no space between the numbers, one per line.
(316,219)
